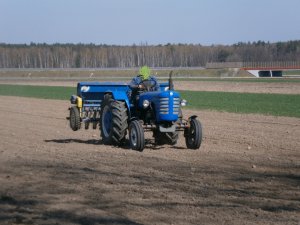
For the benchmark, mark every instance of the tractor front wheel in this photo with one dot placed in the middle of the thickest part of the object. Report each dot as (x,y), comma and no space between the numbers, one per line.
(74,118)
(193,134)
(136,136)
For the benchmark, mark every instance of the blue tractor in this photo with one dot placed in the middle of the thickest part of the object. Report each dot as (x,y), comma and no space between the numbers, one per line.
(118,111)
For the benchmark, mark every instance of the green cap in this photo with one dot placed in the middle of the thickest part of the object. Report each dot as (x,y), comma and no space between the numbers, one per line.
(145,72)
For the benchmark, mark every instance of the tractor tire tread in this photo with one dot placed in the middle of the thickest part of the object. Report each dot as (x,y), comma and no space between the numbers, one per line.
(75,123)
(119,121)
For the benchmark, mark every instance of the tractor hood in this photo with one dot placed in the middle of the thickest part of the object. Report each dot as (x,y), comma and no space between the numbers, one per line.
(166,104)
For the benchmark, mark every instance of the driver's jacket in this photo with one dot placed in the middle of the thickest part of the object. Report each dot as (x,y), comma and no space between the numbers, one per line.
(137,80)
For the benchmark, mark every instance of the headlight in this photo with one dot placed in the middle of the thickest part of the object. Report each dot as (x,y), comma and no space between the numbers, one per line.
(166,88)
(183,102)
(146,104)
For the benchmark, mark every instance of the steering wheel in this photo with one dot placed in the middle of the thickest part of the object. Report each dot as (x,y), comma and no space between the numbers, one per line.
(147,85)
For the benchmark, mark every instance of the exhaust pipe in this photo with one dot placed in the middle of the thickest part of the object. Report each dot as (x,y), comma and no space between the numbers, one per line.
(171,85)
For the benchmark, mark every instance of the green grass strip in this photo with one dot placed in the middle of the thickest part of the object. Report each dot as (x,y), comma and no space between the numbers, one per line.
(268,104)
(44,92)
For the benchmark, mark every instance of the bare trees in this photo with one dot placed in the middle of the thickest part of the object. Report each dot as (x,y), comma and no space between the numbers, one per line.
(169,55)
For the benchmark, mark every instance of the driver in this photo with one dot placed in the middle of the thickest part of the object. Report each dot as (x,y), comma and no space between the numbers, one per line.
(144,75)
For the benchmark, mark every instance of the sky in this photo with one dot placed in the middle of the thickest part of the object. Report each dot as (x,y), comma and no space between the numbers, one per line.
(127,22)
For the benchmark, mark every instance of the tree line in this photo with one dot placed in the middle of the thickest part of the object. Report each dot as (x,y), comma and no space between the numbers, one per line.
(170,55)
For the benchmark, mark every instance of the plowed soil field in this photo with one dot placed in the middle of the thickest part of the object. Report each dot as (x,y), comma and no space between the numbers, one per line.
(247,171)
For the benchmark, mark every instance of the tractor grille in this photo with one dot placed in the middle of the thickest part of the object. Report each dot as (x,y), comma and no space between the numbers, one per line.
(164,106)
(176,106)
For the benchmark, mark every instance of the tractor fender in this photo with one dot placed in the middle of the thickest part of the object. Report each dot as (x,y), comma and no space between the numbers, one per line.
(193,117)
(121,96)
(190,118)
(133,118)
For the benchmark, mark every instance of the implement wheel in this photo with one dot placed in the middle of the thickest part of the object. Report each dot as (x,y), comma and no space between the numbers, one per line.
(136,136)
(75,118)
(193,134)
(113,121)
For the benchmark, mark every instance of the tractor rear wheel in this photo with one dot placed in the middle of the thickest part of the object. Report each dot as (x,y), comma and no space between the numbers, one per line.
(136,136)
(75,118)
(113,122)
(169,138)
(193,134)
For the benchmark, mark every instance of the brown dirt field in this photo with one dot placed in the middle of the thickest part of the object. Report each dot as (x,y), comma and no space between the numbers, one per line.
(244,87)
(247,171)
